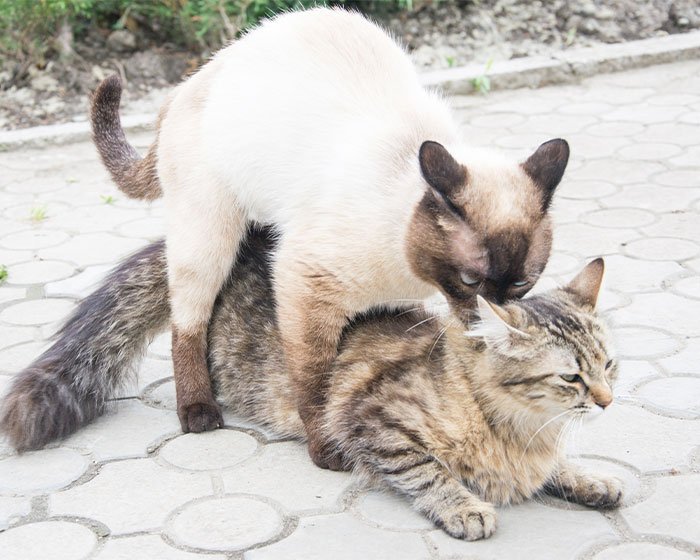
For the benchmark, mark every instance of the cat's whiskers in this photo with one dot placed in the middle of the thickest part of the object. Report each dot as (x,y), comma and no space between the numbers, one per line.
(419,323)
(440,334)
(542,427)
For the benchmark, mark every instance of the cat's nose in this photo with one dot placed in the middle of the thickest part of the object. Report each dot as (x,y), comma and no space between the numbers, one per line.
(602,395)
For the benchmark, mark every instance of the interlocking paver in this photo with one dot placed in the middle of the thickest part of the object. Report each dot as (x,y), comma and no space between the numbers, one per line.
(58,540)
(27,474)
(226,523)
(130,486)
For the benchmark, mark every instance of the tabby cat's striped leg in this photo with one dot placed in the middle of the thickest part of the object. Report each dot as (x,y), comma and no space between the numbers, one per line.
(572,483)
(435,492)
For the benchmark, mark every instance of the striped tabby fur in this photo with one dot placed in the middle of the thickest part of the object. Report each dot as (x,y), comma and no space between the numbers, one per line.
(455,421)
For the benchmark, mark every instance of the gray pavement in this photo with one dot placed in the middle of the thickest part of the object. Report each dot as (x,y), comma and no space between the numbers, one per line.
(131,486)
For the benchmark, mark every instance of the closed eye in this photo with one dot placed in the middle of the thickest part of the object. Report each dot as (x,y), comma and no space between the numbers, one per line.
(467,279)
(521,283)
(609,364)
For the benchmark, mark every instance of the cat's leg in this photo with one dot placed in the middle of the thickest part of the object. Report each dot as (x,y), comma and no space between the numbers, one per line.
(434,491)
(572,483)
(311,320)
(203,236)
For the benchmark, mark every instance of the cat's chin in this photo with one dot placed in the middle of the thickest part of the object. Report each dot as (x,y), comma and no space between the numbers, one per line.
(590,413)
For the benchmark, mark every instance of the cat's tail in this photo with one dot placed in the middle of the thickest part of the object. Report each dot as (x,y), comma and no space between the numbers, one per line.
(93,354)
(135,176)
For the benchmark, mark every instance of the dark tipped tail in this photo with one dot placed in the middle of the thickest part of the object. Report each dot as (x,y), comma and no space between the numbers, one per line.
(92,357)
(135,176)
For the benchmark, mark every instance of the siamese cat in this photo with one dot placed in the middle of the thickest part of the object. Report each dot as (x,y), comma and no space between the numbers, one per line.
(315,123)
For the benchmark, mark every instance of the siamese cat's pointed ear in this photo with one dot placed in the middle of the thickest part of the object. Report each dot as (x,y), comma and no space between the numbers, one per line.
(494,324)
(546,167)
(585,287)
(440,170)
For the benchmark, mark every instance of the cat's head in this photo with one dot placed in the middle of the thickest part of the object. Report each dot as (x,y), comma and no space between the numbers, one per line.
(483,227)
(548,354)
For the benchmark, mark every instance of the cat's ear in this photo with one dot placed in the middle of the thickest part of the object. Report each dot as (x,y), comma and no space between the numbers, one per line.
(440,170)
(586,286)
(546,167)
(494,325)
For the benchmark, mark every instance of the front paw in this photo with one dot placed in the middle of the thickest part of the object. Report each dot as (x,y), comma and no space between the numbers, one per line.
(599,492)
(200,417)
(471,521)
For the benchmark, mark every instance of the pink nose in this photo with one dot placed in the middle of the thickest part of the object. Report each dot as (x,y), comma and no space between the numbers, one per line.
(602,396)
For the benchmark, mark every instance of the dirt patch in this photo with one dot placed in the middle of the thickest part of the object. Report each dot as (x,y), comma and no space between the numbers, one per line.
(451,33)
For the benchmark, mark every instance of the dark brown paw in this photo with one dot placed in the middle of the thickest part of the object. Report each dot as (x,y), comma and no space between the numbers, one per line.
(200,417)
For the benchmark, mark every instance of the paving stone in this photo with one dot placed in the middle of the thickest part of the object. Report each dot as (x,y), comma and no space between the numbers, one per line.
(554,124)
(688,158)
(150,227)
(215,450)
(27,473)
(689,287)
(632,275)
(632,373)
(620,218)
(652,197)
(642,551)
(80,285)
(576,189)
(389,511)
(12,509)
(643,113)
(613,129)
(531,530)
(147,547)
(40,272)
(674,133)
(672,510)
(17,357)
(93,248)
(623,172)
(8,257)
(638,437)
(36,312)
(23,212)
(663,310)
(692,117)
(588,241)
(648,151)
(140,494)
(682,224)
(676,395)
(95,218)
(161,345)
(341,537)
(497,120)
(560,263)
(11,294)
(128,429)
(590,147)
(567,211)
(685,360)
(57,540)
(34,239)
(661,249)
(284,472)
(162,395)
(228,523)
(592,108)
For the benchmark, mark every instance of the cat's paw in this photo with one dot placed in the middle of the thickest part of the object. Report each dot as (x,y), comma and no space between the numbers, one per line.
(200,417)
(599,492)
(471,522)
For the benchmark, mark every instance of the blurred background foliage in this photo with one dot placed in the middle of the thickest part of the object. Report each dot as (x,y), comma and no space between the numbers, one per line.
(32,30)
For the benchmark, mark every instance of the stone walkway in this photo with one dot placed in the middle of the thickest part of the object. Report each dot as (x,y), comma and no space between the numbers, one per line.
(131,486)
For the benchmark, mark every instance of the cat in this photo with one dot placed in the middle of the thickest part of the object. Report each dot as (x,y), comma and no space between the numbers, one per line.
(454,417)
(316,123)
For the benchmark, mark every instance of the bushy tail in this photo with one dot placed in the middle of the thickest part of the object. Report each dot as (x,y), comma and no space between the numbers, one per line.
(92,357)
(135,176)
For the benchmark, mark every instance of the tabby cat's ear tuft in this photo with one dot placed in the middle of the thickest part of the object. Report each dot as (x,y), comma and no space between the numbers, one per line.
(494,326)
(585,287)
(440,170)
(546,167)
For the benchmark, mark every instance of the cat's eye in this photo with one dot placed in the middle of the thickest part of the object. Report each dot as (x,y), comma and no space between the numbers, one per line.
(609,364)
(570,377)
(521,283)
(468,280)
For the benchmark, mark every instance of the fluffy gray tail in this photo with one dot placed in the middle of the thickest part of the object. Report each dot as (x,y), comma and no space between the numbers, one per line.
(68,385)
(135,176)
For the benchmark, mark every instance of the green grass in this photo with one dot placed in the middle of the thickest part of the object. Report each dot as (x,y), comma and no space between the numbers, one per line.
(38,214)
(3,273)
(108,198)
(482,83)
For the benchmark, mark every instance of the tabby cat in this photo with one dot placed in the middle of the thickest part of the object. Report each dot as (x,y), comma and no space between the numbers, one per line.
(455,417)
